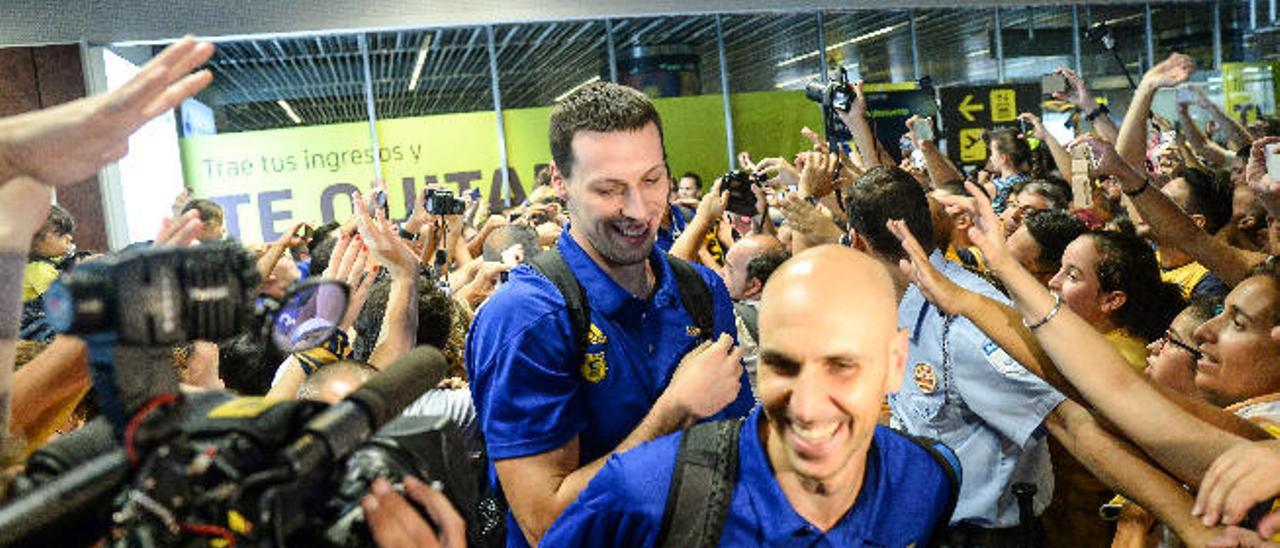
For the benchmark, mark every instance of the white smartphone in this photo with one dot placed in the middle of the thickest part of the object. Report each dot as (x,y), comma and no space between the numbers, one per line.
(1273,161)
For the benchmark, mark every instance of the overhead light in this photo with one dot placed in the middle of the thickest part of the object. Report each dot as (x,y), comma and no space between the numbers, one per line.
(592,80)
(792,82)
(855,40)
(417,65)
(978,53)
(289,110)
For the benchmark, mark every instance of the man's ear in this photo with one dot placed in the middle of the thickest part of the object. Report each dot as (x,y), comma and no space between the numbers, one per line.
(897,362)
(1248,223)
(1198,219)
(857,242)
(558,182)
(754,287)
(963,221)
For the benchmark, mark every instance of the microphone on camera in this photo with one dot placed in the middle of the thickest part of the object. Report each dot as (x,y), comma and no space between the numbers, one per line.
(346,425)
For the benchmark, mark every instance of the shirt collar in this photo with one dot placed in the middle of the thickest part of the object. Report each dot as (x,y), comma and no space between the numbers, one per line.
(605,295)
(780,523)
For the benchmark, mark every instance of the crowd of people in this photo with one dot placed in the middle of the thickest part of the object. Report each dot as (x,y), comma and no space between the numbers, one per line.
(880,352)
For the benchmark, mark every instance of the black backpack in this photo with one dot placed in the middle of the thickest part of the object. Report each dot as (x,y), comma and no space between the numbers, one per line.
(706,473)
(694,294)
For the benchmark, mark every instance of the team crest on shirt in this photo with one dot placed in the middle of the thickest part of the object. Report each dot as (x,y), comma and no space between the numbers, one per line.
(692,331)
(595,336)
(926,379)
(594,368)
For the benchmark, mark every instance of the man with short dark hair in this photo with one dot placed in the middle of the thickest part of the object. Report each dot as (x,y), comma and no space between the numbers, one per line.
(960,387)
(555,397)
(211,216)
(813,467)
(1038,244)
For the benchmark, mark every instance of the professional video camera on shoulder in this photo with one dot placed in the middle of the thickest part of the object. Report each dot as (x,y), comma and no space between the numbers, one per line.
(166,468)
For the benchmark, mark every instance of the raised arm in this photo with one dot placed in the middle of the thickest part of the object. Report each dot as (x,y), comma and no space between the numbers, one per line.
(1169,224)
(400,322)
(940,168)
(1061,158)
(710,209)
(1132,142)
(1180,442)
(872,152)
(1082,98)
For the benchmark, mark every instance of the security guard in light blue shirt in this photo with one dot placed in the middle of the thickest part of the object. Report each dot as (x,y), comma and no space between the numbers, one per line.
(962,389)
(532,398)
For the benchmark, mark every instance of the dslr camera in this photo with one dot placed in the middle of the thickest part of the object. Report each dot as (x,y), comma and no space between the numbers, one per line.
(738,182)
(834,96)
(443,202)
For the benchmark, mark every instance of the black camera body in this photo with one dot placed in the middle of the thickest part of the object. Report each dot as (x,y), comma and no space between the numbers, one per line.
(741,200)
(158,296)
(443,202)
(834,96)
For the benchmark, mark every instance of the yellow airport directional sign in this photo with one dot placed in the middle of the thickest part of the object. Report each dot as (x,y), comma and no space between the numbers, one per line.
(972,147)
(967,108)
(1004,105)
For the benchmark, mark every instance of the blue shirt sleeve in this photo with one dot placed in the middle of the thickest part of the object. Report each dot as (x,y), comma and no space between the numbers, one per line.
(1000,390)
(523,384)
(623,505)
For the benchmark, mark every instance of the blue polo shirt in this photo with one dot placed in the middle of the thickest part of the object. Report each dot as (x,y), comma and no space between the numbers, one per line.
(905,494)
(531,398)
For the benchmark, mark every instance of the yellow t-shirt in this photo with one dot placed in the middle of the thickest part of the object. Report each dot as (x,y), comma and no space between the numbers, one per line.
(36,279)
(1134,349)
(1186,277)
(954,256)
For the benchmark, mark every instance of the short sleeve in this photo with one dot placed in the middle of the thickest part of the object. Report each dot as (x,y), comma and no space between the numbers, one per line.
(623,505)
(1000,390)
(527,398)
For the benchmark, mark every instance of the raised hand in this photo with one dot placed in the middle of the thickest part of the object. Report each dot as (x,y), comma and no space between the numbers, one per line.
(1080,96)
(780,170)
(937,288)
(816,179)
(70,142)
(180,232)
(1255,174)
(987,232)
(1170,72)
(1038,127)
(807,222)
(383,240)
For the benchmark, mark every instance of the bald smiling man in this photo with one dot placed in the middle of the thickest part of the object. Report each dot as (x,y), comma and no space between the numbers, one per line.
(813,468)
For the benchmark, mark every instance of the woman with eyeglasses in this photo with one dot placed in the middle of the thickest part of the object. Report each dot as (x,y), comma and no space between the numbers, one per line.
(1172,358)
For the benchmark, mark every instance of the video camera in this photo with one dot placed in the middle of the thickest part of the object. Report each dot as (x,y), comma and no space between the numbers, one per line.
(834,96)
(166,468)
(443,202)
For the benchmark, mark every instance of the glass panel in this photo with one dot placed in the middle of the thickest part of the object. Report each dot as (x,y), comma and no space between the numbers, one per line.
(434,101)
(281,135)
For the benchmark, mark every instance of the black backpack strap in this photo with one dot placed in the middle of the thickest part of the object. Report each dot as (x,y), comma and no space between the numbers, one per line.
(950,463)
(695,295)
(552,266)
(750,318)
(702,485)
